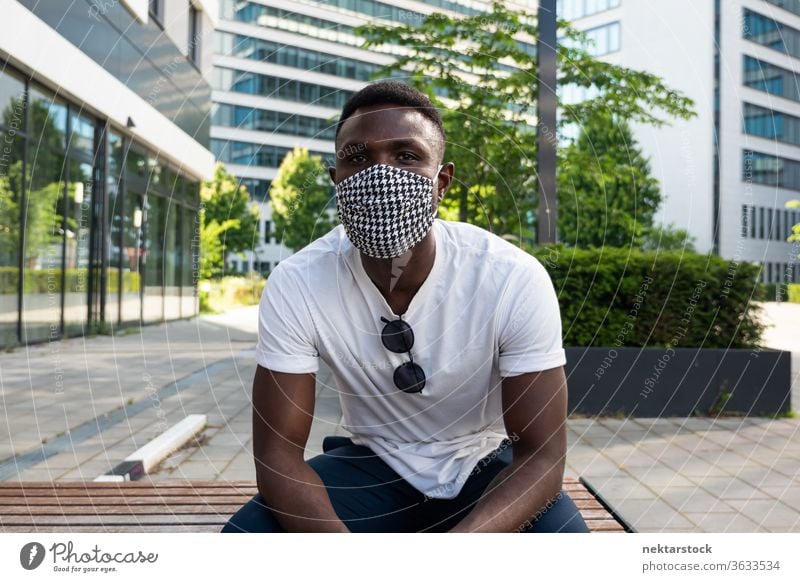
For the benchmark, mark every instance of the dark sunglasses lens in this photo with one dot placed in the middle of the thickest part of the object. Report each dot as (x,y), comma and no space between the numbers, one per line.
(397,336)
(409,377)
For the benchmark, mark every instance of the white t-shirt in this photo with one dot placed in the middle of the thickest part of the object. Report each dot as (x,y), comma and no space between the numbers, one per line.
(487,310)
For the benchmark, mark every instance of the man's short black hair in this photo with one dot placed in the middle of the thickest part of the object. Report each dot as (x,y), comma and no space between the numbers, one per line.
(394,93)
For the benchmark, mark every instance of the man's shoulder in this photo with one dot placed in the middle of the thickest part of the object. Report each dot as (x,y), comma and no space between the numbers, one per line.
(316,259)
(480,244)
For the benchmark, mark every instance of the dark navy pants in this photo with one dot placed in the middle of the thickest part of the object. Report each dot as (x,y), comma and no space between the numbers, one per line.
(368,496)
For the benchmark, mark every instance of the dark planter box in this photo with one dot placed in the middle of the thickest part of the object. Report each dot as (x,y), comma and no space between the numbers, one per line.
(653,382)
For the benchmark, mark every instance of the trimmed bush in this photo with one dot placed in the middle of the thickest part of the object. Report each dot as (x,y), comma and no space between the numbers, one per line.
(773,292)
(217,295)
(621,297)
(49,280)
(794,292)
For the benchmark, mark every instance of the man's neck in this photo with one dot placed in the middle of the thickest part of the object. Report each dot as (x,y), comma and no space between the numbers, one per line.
(402,276)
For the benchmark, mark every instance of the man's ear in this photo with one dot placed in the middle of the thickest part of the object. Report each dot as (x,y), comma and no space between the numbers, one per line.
(445,178)
(332,173)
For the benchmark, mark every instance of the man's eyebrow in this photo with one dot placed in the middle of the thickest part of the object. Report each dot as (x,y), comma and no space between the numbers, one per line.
(354,144)
(407,142)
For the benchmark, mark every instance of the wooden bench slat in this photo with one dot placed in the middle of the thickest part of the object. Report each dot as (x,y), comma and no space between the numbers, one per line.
(144,483)
(151,509)
(161,491)
(172,505)
(70,520)
(193,528)
(604,525)
(120,500)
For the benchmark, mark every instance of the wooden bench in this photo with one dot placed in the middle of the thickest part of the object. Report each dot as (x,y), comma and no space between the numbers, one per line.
(172,506)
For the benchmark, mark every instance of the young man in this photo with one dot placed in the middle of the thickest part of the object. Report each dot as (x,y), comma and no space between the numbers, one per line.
(444,341)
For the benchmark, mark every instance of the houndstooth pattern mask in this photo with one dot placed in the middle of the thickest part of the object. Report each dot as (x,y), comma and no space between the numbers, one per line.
(385,210)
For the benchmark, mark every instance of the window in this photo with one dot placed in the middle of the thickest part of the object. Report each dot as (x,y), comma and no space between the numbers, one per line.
(154,8)
(600,40)
(771,33)
(257,189)
(772,170)
(194,34)
(273,121)
(258,49)
(12,101)
(770,224)
(745,219)
(279,88)
(154,220)
(572,9)
(771,124)
(251,154)
(790,5)
(769,78)
(267,231)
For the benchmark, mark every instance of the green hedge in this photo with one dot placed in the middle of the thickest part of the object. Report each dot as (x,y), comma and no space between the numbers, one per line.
(130,281)
(620,297)
(49,280)
(794,292)
(218,295)
(780,292)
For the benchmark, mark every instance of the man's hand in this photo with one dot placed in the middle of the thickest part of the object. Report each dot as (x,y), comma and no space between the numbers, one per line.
(283,408)
(535,412)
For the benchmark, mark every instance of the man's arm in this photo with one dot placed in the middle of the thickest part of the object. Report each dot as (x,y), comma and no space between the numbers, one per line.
(283,408)
(535,410)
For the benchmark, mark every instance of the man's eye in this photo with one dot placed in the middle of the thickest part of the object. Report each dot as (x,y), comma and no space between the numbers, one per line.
(407,156)
(357,159)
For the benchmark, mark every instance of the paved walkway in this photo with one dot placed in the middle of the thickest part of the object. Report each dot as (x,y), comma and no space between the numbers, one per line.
(74,409)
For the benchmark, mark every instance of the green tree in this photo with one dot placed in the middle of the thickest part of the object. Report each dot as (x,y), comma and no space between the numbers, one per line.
(212,252)
(481,71)
(301,194)
(795,236)
(228,221)
(224,199)
(668,238)
(607,196)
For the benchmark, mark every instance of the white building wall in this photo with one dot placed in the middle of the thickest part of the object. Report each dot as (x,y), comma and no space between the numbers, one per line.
(673,40)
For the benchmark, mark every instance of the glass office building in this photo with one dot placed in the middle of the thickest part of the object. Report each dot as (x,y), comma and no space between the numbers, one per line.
(98,224)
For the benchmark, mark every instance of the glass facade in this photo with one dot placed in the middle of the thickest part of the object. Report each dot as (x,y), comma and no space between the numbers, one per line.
(771,170)
(790,5)
(273,121)
(775,224)
(258,49)
(604,39)
(74,238)
(271,17)
(389,12)
(137,54)
(572,9)
(278,88)
(277,18)
(771,124)
(770,78)
(252,154)
(771,33)
(258,189)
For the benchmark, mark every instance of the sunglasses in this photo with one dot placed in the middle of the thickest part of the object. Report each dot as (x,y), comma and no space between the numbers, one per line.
(398,337)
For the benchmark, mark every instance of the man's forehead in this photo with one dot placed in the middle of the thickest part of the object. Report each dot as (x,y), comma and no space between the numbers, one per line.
(377,123)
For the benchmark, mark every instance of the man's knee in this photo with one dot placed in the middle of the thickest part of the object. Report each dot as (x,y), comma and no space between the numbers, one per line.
(253,517)
(559,516)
